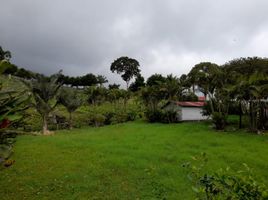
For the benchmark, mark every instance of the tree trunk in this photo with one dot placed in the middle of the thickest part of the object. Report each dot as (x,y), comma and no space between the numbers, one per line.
(45,125)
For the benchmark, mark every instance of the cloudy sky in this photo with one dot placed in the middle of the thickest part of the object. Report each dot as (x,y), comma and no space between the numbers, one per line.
(165,36)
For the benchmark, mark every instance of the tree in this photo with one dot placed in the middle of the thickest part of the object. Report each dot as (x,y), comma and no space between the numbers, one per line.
(138,84)
(88,80)
(4,55)
(96,94)
(155,79)
(113,86)
(205,76)
(128,67)
(101,80)
(71,100)
(248,80)
(172,88)
(44,90)
(211,80)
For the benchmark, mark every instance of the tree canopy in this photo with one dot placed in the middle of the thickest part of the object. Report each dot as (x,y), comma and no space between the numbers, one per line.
(126,66)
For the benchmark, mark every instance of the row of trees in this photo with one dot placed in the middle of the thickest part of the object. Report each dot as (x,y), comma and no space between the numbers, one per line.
(48,92)
(242,82)
(83,81)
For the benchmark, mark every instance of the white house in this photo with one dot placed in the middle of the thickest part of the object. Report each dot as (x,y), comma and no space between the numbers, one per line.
(186,111)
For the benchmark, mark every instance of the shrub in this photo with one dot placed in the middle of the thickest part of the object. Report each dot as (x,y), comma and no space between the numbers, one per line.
(163,116)
(98,120)
(131,115)
(169,116)
(219,120)
(119,117)
(153,115)
(108,117)
(224,184)
(32,121)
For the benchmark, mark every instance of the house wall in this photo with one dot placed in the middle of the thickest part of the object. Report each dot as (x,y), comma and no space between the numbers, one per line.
(192,113)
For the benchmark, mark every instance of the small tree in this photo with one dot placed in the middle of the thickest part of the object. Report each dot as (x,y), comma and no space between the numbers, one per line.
(71,100)
(128,67)
(44,90)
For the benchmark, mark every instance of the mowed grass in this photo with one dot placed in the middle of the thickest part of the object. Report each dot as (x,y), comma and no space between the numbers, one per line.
(135,160)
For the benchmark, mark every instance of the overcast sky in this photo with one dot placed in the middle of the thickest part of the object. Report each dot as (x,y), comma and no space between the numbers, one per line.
(165,36)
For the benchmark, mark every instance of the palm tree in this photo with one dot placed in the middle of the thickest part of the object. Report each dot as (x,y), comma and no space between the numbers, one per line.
(44,90)
(101,80)
(249,77)
(71,100)
(172,88)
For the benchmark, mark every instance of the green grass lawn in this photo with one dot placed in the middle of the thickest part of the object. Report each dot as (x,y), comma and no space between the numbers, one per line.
(127,161)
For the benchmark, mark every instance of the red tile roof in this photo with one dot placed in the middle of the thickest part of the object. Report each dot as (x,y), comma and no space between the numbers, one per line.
(202,98)
(190,104)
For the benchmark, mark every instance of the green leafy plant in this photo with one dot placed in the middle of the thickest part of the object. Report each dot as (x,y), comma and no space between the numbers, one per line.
(12,103)
(224,184)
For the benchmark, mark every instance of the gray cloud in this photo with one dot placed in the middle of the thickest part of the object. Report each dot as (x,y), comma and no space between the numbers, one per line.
(164,36)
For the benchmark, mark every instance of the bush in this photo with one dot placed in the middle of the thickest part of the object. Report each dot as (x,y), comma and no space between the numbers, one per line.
(169,117)
(108,117)
(219,120)
(163,116)
(98,120)
(153,115)
(32,121)
(119,117)
(131,115)
(224,184)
